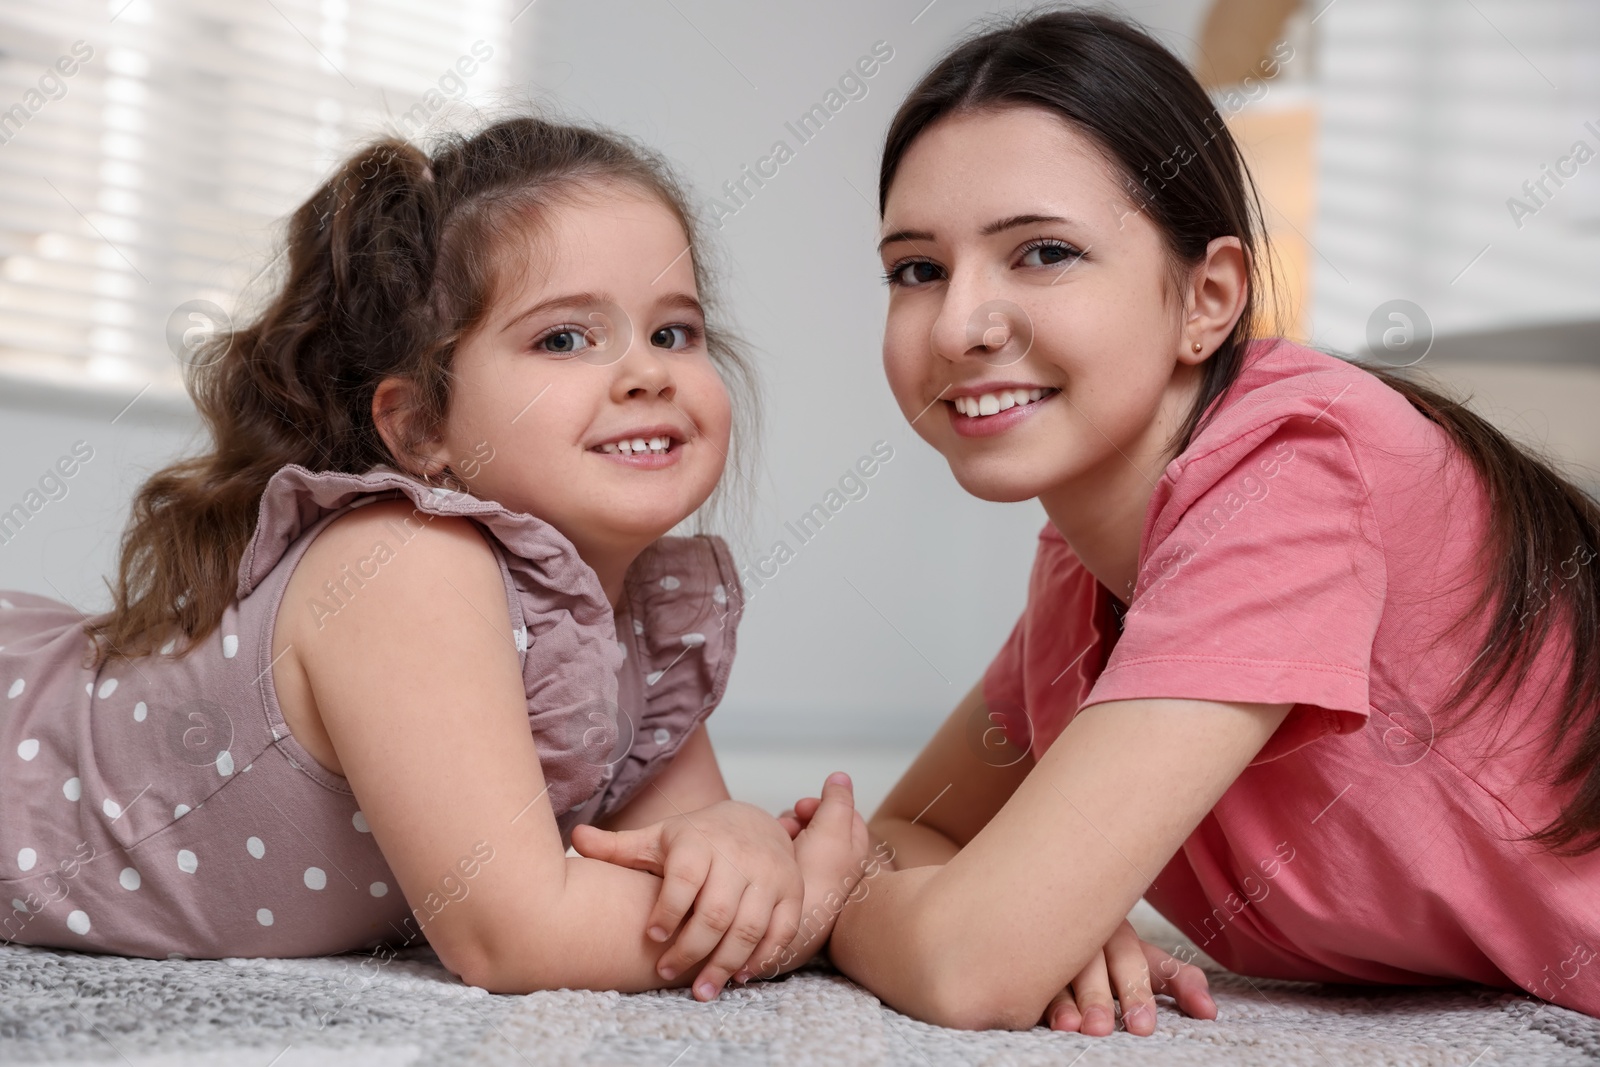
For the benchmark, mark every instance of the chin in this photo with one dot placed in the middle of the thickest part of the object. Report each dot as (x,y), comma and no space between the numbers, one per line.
(998,483)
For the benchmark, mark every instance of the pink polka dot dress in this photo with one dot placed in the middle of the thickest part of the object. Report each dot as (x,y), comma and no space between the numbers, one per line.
(159,806)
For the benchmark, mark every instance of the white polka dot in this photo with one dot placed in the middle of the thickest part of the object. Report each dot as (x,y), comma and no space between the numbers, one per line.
(359,821)
(29,748)
(26,859)
(180,811)
(693,640)
(247,766)
(653,677)
(719,595)
(316,878)
(256,847)
(378,889)
(19,905)
(78,922)
(88,687)
(140,711)
(4,603)
(224,763)
(176,956)
(187,861)
(624,646)
(129,878)
(230,645)
(108,687)
(669,582)
(263,916)
(166,649)
(72,789)
(16,688)
(111,808)
(638,627)
(521,636)
(661,735)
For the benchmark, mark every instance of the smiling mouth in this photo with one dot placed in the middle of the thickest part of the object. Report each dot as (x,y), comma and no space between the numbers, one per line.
(978,407)
(633,446)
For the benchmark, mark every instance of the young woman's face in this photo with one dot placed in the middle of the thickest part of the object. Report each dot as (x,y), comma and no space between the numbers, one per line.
(588,397)
(1033,337)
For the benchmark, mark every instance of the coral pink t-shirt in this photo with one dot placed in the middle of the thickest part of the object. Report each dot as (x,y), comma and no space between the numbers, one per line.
(1310,547)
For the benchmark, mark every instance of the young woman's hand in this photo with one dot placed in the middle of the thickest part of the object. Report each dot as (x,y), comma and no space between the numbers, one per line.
(834,851)
(1137,970)
(734,864)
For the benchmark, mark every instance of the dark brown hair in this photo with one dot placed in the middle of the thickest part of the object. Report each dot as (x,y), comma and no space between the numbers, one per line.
(1181,168)
(392,264)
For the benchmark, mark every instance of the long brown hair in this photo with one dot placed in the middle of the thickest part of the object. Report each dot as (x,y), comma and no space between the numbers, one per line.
(1182,169)
(392,263)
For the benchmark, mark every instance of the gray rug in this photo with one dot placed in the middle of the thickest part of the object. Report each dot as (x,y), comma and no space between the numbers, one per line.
(63,1007)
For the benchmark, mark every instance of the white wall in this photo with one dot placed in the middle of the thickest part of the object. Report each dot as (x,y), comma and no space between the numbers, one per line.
(65,548)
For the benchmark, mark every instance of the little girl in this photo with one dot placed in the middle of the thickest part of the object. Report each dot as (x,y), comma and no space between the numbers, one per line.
(413,619)
(1309,658)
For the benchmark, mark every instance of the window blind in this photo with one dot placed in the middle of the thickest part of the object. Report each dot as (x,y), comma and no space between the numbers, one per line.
(148,152)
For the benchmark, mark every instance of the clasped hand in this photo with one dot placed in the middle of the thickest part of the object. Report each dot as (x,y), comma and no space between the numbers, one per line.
(734,887)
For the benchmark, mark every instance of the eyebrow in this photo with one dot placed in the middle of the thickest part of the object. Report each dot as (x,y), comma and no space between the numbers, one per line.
(1019,220)
(678,300)
(999,226)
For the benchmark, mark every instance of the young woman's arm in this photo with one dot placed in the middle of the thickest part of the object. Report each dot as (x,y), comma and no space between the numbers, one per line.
(950,792)
(419,686)
(990,937)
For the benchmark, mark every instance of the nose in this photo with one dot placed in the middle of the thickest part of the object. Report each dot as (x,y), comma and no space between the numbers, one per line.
(972,323)
(641,372)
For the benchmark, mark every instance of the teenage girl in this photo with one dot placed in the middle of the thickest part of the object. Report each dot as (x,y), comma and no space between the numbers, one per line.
(412,619)
(1310,655)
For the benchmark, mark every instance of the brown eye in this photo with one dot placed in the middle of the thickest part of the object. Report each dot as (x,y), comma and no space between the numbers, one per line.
(670,337)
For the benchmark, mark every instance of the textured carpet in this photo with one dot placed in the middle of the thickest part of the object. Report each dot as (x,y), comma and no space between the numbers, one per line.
(63,1007)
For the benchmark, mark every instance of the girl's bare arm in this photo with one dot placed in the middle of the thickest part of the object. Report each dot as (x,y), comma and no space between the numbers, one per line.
(419,686)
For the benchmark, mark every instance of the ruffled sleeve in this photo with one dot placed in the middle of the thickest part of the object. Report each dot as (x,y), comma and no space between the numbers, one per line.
(684,604)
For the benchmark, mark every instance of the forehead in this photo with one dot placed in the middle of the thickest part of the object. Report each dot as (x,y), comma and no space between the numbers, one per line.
(977,166)
(611,237)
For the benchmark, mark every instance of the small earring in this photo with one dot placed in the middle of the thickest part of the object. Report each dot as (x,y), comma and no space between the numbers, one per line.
(1195,345)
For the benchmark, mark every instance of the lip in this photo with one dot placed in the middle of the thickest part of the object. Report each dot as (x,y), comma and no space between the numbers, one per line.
(1000,422)
(644,460)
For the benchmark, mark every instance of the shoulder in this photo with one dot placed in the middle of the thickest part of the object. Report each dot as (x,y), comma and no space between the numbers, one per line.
(387,562)
(1288,390)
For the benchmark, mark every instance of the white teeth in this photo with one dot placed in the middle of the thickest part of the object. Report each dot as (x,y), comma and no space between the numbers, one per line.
(994,403)
(638,444)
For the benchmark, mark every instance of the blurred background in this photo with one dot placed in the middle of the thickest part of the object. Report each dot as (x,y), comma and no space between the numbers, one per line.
(1429,169)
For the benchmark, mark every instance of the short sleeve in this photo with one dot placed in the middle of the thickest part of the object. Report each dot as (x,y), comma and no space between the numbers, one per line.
(1264,582)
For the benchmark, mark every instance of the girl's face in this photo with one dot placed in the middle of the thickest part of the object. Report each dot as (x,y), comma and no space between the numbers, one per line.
(1033,336)
(588,398)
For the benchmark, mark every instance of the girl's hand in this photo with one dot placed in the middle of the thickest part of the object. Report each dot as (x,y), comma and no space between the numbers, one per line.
(734,864)
(1138,970)
(834,851)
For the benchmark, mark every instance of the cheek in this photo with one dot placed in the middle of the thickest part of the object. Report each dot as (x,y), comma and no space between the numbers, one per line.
(905,353)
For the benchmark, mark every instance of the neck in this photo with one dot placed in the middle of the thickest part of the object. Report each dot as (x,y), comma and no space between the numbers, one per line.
(1101,513)
(612,570)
